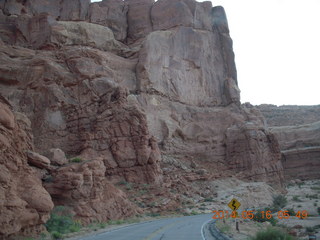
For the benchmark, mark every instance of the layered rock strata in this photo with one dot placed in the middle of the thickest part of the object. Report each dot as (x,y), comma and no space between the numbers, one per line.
(289,115)
(300,148)
(298,130)
(140,92)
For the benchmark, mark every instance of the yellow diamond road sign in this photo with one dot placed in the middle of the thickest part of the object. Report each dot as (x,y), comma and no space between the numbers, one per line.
(234,204)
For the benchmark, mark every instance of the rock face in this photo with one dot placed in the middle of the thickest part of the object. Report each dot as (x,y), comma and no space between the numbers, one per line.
(298,130)
(43,32)
(290,115)
(112,14)
(161,107)
(166,14)
(139,19)
(194,77)
(67,10)
(25,205)
(300,147)
(84,187)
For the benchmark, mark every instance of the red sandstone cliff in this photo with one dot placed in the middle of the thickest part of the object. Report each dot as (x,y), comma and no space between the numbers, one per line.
(135,93)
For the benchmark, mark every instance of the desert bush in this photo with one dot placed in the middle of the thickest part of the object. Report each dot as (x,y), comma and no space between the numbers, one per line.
(61,222)
(153,214)
(291,212)
(259,217)
(279,201)
(296,199)
(76,160)
(310,229)
(208,199)
(312,196)
(272,233)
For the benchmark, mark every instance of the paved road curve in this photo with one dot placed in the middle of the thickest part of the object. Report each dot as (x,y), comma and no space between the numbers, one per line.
(181,228)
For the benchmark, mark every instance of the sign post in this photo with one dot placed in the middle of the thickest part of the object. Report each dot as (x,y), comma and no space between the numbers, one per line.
(234,206)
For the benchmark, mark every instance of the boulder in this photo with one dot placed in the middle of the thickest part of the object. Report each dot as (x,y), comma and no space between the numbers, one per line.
(37,160)
(57,157)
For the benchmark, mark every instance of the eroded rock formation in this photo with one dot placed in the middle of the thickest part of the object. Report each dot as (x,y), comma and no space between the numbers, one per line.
(141,92)
(297,129)
(25,205)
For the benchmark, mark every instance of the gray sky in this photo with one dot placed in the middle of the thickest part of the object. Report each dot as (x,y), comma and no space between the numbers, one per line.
(277,48)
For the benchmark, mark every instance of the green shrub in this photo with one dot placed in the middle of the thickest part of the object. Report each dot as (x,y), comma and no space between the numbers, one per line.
(56,235)
(310,229)
(102,225)
(153,214)
(291,212)
(194,212)
(314,196)
(122,182)
(296,199)
(318,209)
(272,233)
(279,201)
(76,160)
(259,217)
(208,199)
(61,222)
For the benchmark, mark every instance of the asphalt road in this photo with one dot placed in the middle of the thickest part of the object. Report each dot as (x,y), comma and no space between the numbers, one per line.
(184,228)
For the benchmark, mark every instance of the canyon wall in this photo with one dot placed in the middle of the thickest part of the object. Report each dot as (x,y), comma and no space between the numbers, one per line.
(25,205)
(298,130)
(136,91)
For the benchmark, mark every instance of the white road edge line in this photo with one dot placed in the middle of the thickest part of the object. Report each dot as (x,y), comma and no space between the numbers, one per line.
(203,237)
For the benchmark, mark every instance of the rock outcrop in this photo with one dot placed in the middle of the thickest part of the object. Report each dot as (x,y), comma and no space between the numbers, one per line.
(112,14)
(25,205)
(140,92)
(297,129)
(65,10)
(85,188)
(288,115)
(300,147)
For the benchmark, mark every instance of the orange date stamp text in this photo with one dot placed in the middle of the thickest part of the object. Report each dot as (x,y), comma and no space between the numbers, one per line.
(262,214)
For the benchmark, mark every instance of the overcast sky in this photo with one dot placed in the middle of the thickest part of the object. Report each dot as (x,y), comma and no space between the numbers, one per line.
(277,48)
